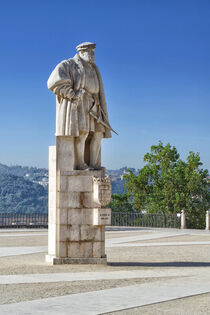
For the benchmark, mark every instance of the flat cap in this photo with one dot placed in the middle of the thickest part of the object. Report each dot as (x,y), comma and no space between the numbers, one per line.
(86,46)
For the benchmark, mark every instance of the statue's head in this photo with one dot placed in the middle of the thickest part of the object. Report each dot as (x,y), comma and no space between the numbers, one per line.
(87,51)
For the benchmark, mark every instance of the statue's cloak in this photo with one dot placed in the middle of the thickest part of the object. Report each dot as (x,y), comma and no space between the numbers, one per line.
(67,78)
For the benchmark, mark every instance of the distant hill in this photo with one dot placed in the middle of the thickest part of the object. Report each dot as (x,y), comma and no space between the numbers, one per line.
(24,189)
(39,175)
(19,195)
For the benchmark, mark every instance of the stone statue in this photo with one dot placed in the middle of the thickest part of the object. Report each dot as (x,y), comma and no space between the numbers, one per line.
(81,110)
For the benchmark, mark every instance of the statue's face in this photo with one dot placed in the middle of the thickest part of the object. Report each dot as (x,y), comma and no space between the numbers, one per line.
(88,55)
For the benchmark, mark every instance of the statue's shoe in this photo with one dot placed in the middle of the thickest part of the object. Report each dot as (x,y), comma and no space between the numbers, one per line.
(83,167)
(95,168)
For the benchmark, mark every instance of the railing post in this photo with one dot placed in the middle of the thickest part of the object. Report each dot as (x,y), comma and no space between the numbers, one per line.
(207,220)
(183,220)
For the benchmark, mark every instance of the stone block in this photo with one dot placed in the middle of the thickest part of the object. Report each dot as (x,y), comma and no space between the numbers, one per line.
(80,250)
(86,249)
(87,233)
(69,233)
(74,233)
(65,153)
(69,200)
(62,183)
(80,183)
(87,200)
(62,216)
(97,249)
(61,249)
(97,234)
(97,173)
(63,232)
(61,261)
(87,216)
(74,216)
(102,228)
(74,250)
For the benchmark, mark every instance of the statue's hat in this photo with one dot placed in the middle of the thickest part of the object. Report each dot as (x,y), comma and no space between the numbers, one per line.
(86,46)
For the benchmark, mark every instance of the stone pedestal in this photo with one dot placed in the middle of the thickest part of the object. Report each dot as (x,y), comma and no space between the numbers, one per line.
(77,213)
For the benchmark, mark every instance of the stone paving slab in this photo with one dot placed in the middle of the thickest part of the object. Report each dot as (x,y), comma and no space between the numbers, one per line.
(23,230)
(140,238)
(157,244)
(85,276)
(23,235)
(13,251)
(103,301)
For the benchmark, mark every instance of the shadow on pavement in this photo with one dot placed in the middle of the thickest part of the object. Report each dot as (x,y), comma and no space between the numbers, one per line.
(161,264)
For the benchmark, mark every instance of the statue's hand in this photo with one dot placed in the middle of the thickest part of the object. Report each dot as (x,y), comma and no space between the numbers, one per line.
(79,94)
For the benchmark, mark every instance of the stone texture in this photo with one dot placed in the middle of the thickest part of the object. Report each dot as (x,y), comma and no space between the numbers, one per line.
(62,261)
(80,183)
(97,249)
(69,200)
(61,249)
(69,233)
(87,200)
(65,153)
(86,250)
(62,214)
(87,233)
(74,216)
(62,183)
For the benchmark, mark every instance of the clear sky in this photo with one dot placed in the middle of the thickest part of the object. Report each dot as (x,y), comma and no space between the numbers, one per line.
(154,57)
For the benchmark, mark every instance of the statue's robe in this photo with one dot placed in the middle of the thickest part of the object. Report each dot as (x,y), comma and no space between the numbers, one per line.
(66,79)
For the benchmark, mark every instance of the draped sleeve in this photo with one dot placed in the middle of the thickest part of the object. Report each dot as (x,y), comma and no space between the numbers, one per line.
(60,81)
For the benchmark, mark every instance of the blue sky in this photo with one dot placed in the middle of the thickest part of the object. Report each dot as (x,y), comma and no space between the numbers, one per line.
(154,57)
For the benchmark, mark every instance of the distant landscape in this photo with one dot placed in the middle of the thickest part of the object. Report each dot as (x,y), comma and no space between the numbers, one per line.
(24,189)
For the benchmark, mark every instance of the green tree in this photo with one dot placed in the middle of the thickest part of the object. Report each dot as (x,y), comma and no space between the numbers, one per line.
(166,184)
(120,203)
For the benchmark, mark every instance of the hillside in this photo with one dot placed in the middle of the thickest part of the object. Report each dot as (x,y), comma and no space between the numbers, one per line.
(19,195)
(34,174)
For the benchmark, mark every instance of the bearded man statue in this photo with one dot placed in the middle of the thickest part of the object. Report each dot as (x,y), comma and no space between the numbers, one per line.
(81,110)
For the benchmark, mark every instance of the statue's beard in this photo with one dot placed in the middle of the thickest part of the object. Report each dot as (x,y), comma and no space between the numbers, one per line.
(88,59)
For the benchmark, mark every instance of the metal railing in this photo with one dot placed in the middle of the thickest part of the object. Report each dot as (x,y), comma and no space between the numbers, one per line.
(36,220)
(145,220)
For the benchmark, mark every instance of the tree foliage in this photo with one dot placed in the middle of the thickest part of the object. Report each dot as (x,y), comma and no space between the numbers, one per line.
(120,203)
(166,184)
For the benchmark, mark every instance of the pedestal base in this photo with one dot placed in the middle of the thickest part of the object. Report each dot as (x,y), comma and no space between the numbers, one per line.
(61,261)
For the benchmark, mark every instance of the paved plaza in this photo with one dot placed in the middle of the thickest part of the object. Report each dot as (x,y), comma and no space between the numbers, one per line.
(149,271)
